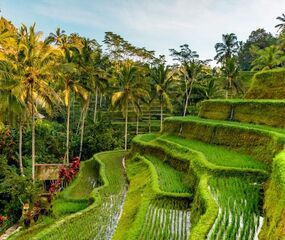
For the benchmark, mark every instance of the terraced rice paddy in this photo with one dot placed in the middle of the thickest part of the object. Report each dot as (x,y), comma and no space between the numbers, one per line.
(169,179)
(239,214)
(166,219)
(216,154)
(99,220)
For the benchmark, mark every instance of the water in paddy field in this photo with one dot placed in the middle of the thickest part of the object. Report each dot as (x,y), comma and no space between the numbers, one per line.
(167,219)
(110,212)
(239,217)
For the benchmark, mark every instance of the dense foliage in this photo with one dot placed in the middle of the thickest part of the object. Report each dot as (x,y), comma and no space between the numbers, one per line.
(58,95)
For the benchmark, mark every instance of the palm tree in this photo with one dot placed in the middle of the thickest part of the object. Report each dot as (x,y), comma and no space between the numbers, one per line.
(129,91)
(190,75)
(226,49)
(68,53)
(12,107)
(30,67)
(164,84)
(89,72)
(99,81)
(231,70)
(281,26)
(267,58)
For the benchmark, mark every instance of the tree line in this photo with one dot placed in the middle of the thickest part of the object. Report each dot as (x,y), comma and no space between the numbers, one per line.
(43,76)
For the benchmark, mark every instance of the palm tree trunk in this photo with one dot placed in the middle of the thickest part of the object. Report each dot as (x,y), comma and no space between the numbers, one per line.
(96,103)
(137,127)
(100,101)
(67,133)
(161,113)
(84,114)
(186,104)
(188,94)
(149,120)
(126,127)
(79,122)
(20,148)
(230,88)
(33,136)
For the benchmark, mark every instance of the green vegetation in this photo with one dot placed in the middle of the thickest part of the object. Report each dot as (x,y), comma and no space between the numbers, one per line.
(239,214)
(260,142)
(274,202)
(169,179)
(257,111)
(100,218)
(166,219)
(211,169)
(267,85)
(77,196)
(86,190)
(146,203)
(218,155)
(201,177)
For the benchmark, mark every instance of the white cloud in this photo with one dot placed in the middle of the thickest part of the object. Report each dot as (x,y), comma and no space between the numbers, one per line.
(199,23)
(155,24)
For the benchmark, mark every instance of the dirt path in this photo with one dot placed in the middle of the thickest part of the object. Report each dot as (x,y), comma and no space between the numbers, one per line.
(9,231)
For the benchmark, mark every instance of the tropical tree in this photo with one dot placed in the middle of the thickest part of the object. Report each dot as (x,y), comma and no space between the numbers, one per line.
(281,26)
(99,81)
(190,70)
(230,70)
(12,107)
(164,84)
(32,63)
(129,91)
(92,76)
(267,58)
(68,52)
(258,38)
(226,49)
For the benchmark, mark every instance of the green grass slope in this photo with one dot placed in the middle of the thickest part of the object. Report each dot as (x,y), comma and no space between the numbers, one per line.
(259,141)
(100,218)
(268,85)
(257,111)
(149,211)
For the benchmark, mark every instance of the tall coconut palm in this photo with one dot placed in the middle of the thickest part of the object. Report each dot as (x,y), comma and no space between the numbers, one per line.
(164,84)
(267,58)
(129,91)
(99,80)
(32,61)
(226,49)
(86,61)
(68,52)
(230,70)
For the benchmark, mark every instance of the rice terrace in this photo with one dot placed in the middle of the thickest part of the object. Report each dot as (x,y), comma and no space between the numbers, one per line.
(102,137)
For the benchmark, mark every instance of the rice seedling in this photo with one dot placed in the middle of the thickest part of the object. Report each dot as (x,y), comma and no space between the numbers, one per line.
(169,179)
(239,214)
(217,154)
(166,219)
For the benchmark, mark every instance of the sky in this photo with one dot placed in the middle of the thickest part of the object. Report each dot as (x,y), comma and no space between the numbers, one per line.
(155,24)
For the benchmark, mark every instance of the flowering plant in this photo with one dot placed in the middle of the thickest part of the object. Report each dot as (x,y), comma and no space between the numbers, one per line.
(66,174)
(2,219)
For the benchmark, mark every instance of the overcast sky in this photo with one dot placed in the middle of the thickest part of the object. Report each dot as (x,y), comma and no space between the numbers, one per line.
(155,24)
